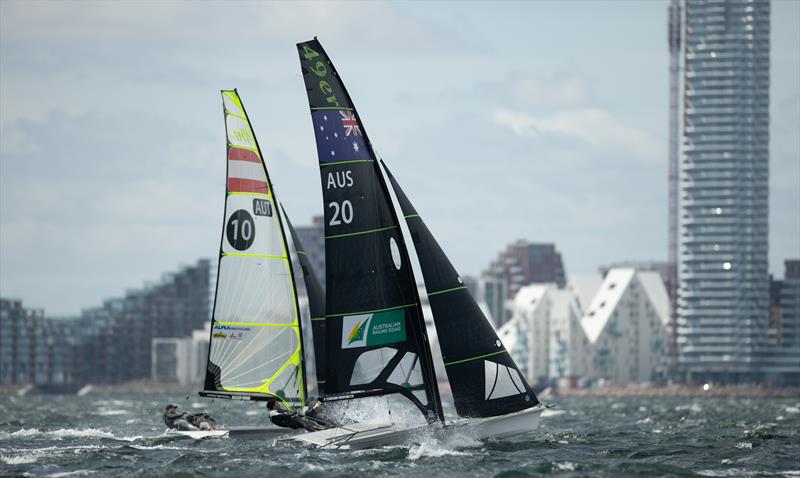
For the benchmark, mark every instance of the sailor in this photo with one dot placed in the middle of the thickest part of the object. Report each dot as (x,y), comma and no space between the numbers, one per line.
(295,419)
(177,420)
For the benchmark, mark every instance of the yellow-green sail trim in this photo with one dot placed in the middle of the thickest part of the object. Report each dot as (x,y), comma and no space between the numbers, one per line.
(296,358)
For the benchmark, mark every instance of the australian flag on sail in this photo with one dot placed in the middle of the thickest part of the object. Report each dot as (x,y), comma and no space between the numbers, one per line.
(339,136)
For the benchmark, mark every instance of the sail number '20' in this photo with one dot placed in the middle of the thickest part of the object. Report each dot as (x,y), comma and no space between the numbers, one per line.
(346,211)
(321,71)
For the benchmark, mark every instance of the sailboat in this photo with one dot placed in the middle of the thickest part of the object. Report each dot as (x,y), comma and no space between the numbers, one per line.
(256,349)
(376,339)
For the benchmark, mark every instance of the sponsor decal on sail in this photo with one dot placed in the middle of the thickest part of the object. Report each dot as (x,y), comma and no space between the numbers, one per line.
(229,332)
(378,328)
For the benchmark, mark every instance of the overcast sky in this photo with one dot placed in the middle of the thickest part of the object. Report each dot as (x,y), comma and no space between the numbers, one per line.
(541,120)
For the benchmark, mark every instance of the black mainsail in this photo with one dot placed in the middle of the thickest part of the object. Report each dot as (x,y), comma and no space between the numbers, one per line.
(316,305)
(376,342)
(483,377)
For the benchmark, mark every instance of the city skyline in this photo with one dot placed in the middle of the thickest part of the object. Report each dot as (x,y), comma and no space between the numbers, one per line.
(112,149)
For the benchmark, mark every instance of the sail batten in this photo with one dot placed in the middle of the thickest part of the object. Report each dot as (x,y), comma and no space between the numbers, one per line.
(373,319)
(255,345)
(470,347)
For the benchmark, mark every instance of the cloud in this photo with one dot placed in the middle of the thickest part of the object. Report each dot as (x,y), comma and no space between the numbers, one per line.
(593,126)
(538,92)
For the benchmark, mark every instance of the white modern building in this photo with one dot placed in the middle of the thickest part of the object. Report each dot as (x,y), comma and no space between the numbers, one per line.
(723,294)
(526,335)
(626,325)
(609,330)
(544,335)
(181,360)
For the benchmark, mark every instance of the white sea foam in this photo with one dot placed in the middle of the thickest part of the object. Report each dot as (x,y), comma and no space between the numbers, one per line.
(65,433)
(82,433)
(111,412)
(427,451)
(379,410)
(251,413)
(565,466)
(728,472)
(22,432)
(744,445)
(18,459)
(692,407)
(792,409)
(113,403)
(64,474)
(157,447)
(552,413)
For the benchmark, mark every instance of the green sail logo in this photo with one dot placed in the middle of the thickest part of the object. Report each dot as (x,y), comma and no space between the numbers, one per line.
(367,330)
(358,332)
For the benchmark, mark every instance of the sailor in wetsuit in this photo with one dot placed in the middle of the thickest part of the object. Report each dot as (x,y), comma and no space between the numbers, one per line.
(183,421)
(294,419)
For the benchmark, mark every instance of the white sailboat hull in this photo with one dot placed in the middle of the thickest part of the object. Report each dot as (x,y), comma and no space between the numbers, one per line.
(360,435)
(199,434)
(502,426)
(369,435)
(507,425)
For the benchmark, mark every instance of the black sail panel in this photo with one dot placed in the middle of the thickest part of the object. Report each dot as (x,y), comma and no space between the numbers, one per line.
(316,305)
(483,377)
(376,341)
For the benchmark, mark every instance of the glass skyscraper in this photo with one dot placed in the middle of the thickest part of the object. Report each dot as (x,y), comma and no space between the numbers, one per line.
(723,297)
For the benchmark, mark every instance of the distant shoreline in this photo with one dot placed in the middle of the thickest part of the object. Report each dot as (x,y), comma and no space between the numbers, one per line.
(681,391)
(146,387)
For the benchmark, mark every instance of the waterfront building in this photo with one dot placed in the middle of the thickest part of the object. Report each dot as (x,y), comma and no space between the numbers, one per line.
(107,344)
(545,337)
(493,292)
(654,266)
(523,263)
(313,239)
(525,336)
(783,364)
(626,325)
(723,294)
(618,337)
(569,348)
(182,360)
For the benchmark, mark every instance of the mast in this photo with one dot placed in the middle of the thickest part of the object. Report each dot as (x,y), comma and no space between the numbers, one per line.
(674,40)
(368,274)
(256,346)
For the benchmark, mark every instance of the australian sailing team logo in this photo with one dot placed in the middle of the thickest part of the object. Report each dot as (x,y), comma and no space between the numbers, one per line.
(373,329)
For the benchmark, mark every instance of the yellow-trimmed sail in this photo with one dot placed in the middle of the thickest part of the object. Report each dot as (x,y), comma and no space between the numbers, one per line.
(256,345)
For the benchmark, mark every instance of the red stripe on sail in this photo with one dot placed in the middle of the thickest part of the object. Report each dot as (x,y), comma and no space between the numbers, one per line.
(239,154)
(247,186)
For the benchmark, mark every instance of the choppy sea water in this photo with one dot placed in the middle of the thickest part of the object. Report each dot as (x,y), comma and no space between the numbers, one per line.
(65,436)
